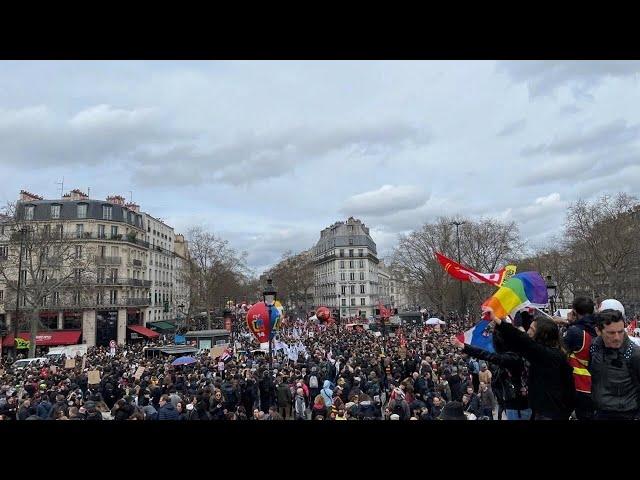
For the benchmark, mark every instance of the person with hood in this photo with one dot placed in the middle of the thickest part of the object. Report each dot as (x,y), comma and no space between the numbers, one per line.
(167,410)
(44,407)
(327,393)
(577,340)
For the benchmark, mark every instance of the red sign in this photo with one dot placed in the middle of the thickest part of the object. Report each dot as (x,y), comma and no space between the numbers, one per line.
(227,323)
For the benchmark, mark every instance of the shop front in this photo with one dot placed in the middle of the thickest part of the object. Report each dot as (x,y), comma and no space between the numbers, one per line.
(138,333)
(106,327)
(43,339)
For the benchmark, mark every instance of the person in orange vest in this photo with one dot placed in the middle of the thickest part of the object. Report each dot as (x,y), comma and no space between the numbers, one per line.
(577,341)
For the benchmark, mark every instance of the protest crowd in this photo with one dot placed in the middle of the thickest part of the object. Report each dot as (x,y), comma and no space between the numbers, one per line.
(584,367)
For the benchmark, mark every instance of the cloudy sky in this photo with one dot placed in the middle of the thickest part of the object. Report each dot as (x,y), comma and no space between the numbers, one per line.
(266,154)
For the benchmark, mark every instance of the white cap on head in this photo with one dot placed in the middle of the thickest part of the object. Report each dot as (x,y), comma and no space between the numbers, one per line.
(611,303)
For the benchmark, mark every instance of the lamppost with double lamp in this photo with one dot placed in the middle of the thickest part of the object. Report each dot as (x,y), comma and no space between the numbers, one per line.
(551,293)
(269,295)
(457,224)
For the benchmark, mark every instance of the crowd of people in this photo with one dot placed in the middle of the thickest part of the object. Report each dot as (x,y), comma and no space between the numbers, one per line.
(585,367)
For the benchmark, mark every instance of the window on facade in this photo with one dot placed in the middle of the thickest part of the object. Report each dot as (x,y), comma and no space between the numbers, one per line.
(361,264)
(101,231)
(23,274)
(56,298)
(351,242)
(362,301)
(59,231)
(79,230)
(350,263)
(342,252)
(351,252)
(361,288)
(114,231)
(344,302)
(55,211)
(1,295)
(46,231)
(82,210)
(360,254)
(4,251)
(28,212)
(342,276)
(343,289)
(115,252)
(361,275)
(352,276)
(107,212)
(352,289)
(78,252)
(341,263)
(353,302)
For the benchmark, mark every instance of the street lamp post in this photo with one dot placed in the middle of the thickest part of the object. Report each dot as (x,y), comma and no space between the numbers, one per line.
(551,293)
(339,315)
(23,232)
(457,224)
(269,295)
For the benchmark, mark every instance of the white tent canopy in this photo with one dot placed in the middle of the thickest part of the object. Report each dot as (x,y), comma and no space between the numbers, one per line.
(434,321)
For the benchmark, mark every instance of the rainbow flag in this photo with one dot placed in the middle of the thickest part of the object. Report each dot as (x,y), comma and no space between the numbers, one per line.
(521,290)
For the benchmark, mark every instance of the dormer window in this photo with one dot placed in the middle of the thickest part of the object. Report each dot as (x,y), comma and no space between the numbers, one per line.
(55,211)
(29,211)
(107,212)
(82,210)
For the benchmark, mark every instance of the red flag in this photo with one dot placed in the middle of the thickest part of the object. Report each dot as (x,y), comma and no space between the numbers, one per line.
(467,275)
(632,326)
(384,313)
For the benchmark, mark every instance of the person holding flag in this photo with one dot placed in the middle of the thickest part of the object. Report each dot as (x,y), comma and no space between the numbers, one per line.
(551,388)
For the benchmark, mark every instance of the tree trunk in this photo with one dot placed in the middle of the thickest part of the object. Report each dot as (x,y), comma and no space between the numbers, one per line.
(34,323)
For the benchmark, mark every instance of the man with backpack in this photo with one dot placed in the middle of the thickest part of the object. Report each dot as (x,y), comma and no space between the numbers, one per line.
(314,383)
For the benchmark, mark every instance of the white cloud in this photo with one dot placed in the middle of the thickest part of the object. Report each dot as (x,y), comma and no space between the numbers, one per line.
(386,200)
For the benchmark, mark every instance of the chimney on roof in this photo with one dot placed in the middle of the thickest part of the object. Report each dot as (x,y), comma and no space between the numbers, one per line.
(133,207)
(28,196)
(117,199)
(76,194)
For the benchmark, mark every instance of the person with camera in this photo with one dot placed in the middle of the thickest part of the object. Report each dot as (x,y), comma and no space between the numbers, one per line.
(615,369)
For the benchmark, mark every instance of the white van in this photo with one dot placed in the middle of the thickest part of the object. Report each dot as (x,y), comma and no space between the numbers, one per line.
(70,351)
(29,362)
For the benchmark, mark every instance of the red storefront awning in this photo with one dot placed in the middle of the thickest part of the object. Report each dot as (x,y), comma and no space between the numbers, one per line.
(144,331)
(47,339)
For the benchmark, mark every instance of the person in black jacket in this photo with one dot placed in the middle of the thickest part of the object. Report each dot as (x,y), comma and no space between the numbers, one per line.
(551,387)
(615,368)
(507,383)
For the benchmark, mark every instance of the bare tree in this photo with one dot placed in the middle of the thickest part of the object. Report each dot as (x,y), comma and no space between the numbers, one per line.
(485,245)
(56,269)
(602,239)
(216,271)
(294,277)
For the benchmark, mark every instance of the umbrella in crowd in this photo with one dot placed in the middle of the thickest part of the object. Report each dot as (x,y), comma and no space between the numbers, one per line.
(183,361)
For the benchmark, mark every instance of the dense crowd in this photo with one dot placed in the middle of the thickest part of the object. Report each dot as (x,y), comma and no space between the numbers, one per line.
(326,372)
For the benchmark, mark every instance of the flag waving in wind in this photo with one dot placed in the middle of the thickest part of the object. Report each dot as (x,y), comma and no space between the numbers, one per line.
(465,274)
